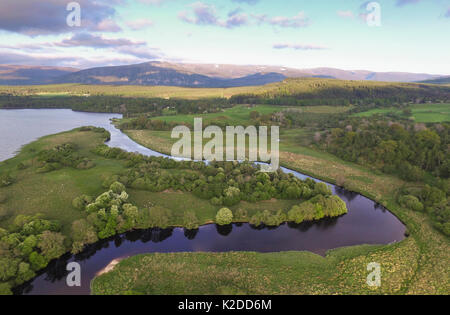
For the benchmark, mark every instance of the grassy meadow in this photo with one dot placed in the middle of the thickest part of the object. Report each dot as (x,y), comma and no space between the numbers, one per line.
(237,115)
(342,271)
(421,113)
(124,90)
(51,193)
(297,87)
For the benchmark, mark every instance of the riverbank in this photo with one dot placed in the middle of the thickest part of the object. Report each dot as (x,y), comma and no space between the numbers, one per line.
(342,271)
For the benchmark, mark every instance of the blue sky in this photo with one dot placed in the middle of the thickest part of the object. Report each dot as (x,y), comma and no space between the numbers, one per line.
(413,36)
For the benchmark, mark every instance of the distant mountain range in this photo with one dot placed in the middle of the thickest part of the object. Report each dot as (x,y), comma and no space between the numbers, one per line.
(189,75)
(28,75)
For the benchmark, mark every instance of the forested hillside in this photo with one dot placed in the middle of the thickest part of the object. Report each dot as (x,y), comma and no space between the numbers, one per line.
(336,92)
(293,92)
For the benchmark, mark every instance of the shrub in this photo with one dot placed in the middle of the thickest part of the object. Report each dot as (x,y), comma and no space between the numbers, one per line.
(321,189)
(92,208)
(241,214)
(108,181)
(24,273)
(8,268)
(109,229)
(224,216)
(5,289)
(232,196)
(328,206)
(52,244)
(81,202)
(256,219)
(340,181)
(445,228)
(139,184)
(38,226)
(21,166)
(270,219)
(306,192)
(411,202)
(82,233)
(154,217)
(104,200)
(130,212)
(293,192)
(296,215)
(85,164)
(190,220)
(37,261)
(432,195)
(117,187)
(27,246)
(216,201)
(408,172)
(334,206)
(48,167)
(3,232)
(309,210)
(6,180)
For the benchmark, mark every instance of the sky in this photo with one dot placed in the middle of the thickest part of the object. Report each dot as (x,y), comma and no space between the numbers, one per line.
(411,36)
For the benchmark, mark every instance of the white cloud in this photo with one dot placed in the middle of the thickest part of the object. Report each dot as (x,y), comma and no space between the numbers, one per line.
(299,46)
(139,24)
(297,21)
(205,14)
(346,14)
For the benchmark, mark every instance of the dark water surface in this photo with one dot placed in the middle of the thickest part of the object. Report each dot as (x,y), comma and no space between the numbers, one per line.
(365,223)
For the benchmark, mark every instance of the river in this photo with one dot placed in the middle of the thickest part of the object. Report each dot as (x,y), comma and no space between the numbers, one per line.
(365,223)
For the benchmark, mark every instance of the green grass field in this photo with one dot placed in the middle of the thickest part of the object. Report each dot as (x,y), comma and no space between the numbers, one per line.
(302,86)
(422,113)
(125,91)
(342,271)
(51,194)
(237,115)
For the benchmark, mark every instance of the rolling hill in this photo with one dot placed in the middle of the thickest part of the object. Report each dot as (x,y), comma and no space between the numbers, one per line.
(189,75)
(156,74)
(30,75)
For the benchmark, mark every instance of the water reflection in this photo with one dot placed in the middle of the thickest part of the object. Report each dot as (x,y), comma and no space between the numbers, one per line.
(316,237)
(349,195)
(224,230)
(190,234)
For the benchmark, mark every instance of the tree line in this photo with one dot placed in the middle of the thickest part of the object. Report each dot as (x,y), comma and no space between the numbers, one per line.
(414,152)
